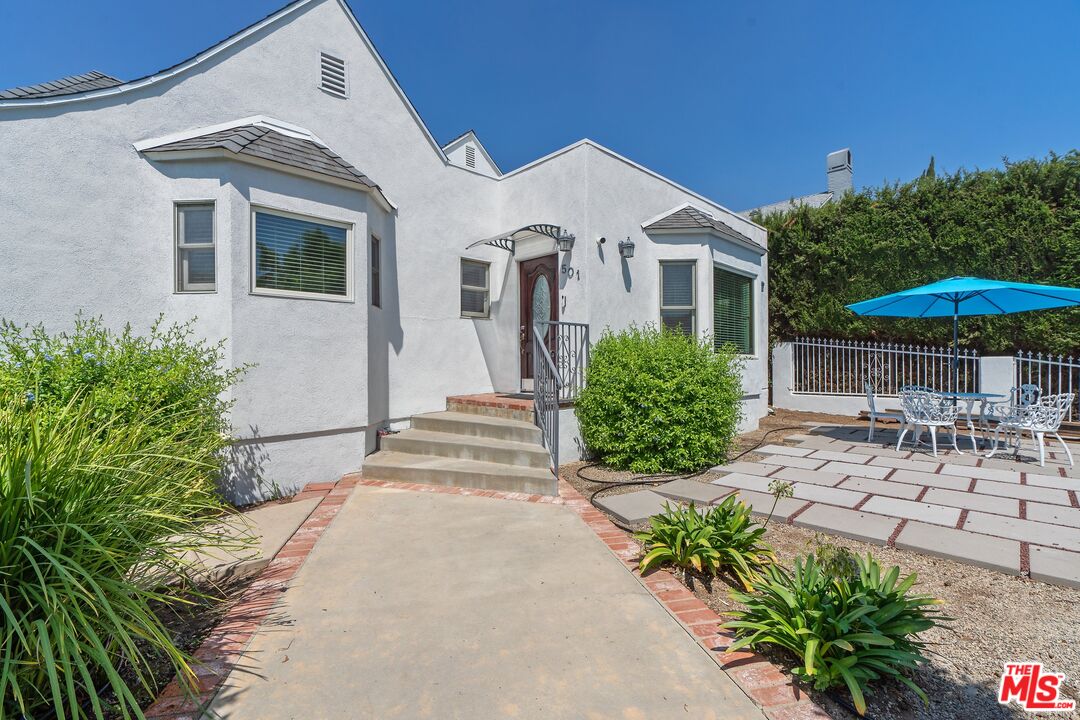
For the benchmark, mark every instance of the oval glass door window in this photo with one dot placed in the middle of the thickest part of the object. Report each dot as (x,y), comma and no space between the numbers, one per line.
(541,301)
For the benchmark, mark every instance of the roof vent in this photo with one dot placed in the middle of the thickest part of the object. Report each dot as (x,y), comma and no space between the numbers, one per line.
(333,75)
(470,156)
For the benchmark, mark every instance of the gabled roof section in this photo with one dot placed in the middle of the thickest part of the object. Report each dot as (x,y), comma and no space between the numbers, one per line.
(688,218)
(469,137)
(262,141)
(221,47)
(70,85)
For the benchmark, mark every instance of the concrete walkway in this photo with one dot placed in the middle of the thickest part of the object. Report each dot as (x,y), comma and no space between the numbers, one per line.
(424,605)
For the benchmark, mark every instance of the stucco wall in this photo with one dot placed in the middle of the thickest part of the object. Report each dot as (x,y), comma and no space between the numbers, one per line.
(87,223)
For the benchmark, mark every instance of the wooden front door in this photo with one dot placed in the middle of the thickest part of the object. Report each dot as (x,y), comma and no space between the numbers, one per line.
(538,303)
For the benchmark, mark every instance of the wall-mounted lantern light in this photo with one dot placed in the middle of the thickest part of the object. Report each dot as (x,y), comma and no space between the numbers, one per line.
(565,241)
(626,248)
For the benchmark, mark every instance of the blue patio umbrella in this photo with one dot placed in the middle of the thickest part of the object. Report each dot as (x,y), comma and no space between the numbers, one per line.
(961,296)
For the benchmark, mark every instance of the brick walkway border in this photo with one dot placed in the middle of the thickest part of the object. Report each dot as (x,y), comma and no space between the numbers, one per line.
(764,683)
(223,649)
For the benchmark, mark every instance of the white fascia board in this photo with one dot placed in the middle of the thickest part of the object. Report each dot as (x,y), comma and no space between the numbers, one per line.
(471,136)
(259,120)
(664,214)
(223,154)
(225,45)
(164,74)
(743,242)
(631,163)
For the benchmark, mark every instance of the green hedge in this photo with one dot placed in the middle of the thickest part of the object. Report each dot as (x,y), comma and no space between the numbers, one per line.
(169,379)
(660,401)
(1019,223)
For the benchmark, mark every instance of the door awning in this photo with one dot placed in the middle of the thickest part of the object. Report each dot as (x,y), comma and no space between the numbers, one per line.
(507,241)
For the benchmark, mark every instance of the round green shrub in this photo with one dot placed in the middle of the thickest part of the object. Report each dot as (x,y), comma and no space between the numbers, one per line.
(660,401)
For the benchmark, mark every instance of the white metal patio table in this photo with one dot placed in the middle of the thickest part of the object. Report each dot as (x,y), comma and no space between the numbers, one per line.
(969,399)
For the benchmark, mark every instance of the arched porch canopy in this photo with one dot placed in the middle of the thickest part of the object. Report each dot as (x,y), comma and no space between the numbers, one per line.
(508,240)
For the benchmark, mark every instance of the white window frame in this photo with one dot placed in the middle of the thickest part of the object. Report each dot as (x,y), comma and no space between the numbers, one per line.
(486,288)
(350,251)
(754,279)
(179,269)
(693,292)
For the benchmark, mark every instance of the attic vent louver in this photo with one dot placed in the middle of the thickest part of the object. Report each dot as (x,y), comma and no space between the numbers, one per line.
(470,156)
(333,75)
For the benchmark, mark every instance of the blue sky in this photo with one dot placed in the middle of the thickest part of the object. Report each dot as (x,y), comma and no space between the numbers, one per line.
(740,101)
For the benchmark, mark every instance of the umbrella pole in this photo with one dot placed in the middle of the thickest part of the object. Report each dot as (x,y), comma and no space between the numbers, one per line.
(956,347)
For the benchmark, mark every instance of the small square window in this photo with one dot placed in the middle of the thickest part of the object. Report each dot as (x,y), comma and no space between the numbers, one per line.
(678,296)
(475,292)
(376,272)
(195,250)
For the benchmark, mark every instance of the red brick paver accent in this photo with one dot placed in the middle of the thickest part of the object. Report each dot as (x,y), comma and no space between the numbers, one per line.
(224,647)
(493,400)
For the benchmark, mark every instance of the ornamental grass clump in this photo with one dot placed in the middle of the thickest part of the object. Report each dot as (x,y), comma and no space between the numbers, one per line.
(660,401)
(850,631)
(97,517)
(722,538)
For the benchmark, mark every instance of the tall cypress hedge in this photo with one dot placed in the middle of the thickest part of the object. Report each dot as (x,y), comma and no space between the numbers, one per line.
(1019,223)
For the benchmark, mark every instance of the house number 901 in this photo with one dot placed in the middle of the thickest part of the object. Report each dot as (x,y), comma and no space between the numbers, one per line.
(569,272)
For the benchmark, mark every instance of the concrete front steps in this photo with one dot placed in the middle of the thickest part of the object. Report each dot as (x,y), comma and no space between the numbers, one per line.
(466,448)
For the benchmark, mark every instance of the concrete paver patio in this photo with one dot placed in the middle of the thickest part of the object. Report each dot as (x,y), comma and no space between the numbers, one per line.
(1007,514)
(425,605)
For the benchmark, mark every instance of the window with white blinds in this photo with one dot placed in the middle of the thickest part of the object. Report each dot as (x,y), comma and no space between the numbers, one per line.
(733,310)
(475,290)
(301,257)
(195,254)
(678,295)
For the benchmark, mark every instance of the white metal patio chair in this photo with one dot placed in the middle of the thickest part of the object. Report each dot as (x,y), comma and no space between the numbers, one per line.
(1040,419)
(929,410)
(876,414)
(1019,397)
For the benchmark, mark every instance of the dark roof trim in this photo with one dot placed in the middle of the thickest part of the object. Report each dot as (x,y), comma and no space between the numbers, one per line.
(687,218)
(70,85)
(262,144)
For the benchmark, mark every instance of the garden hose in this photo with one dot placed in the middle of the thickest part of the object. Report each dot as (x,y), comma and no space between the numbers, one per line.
(661,477)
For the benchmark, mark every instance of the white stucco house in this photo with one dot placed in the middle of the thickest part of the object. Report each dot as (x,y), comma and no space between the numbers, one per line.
(281,187)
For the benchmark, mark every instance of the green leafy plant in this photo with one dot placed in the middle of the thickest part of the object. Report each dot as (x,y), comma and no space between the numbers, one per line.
(171,382)
(845,631)
(722,537)
(660,401)
(98,518)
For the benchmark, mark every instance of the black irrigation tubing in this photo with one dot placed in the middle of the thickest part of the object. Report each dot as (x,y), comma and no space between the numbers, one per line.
(659,478)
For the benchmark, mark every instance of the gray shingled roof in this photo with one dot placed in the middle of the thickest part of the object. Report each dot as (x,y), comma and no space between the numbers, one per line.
(691,218)
(92,80)
(262,142)
(813,200)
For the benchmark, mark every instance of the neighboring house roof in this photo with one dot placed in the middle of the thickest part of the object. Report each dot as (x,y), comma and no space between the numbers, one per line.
(262,141)
(92,80)
(688,218)
(812,200)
